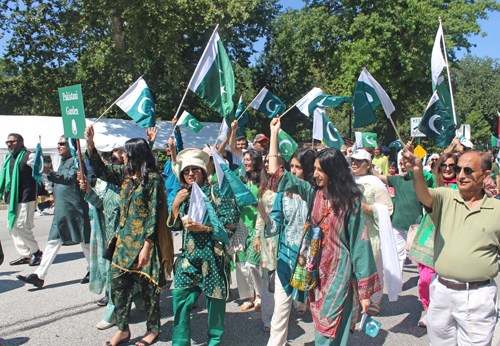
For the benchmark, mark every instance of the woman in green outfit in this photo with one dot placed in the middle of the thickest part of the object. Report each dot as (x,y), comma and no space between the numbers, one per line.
(137,257)
(203,265)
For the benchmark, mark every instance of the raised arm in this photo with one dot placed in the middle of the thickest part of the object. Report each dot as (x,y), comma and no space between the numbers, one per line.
(381,177)
(178,139)
(232,140)
(452,146)
(273,145)
(223,144)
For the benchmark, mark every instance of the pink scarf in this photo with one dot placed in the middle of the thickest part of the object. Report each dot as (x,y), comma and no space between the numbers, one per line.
(447,182)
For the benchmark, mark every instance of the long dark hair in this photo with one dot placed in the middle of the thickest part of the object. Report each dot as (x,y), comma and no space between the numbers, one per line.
(342,189)
(140,160)
(438,177)
(256,158)
(306,158)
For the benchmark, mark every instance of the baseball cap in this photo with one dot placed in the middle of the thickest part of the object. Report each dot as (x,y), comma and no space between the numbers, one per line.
(260,137)
(360,154)
(466,142)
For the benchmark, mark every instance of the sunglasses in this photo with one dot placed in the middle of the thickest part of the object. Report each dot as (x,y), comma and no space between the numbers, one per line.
(10,142)
(467,170)
(445,166)
(114,159)
(61,144)
(193,170)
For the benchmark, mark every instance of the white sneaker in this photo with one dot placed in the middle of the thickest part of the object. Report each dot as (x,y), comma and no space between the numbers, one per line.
(105,325)
(423,321)
(38,212)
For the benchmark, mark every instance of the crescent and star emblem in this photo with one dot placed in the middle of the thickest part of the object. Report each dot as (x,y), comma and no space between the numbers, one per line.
(369,97)
(285,141)
(268,107)
(367,138)
(42,166)
(195,123)
(139,107)
(330,133)
(431,123)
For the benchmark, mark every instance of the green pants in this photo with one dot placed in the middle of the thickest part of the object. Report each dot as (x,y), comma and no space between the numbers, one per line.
(183,304)
(343,328)
(122,295)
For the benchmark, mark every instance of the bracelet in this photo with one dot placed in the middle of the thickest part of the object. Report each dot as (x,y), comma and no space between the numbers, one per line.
(272,155)
(266,215)
(210,229)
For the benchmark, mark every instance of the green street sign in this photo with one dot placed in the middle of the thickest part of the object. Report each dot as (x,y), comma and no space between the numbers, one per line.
(73,112)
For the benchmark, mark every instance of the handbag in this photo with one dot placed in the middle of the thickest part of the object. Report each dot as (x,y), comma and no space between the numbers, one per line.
(305,272)
(110,250)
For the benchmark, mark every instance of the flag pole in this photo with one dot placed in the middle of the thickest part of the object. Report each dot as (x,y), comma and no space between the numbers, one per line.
(449,76)
(115,101)
(218,134)
(395,129)
(196,69)
(79,156)
(280,116)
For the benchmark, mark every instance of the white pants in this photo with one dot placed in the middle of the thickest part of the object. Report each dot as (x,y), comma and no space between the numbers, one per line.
(50,253)
(22,233)
(267,301)
(281,315)
(376,297)
(461,317)
(248,280)
(401,236)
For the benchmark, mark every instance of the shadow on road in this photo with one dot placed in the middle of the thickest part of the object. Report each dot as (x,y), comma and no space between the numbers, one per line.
(66,257)
(9,273)
(60,284)
(14,341)
(9,285)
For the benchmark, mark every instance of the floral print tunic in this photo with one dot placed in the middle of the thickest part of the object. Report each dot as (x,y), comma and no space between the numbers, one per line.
(204,261)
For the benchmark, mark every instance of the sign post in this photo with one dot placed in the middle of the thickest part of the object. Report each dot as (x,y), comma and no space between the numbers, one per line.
(73,116)
(414,131)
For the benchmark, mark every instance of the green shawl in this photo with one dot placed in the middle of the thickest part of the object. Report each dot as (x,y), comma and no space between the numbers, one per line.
(8,183)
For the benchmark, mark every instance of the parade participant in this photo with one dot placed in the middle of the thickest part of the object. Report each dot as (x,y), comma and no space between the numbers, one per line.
(432,160)
(203,266)
(380,160)
(393,170)
(459,145)
(247,262)
(463,294)
(286,222)
(261,143)
(346,254)
(422,250)
(70,225)
(242,143)
(19,190)
(377,208)
(237,146)
(138,256)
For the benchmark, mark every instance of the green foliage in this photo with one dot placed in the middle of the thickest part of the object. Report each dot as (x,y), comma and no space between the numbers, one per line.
(480,130)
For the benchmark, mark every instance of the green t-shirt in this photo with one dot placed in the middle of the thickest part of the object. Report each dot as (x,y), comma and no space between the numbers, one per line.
(494,170)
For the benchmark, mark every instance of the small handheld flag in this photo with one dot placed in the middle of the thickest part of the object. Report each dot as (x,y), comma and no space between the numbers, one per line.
(366,140)
(190,122)
(437,124)
(267,103)
(38,165)
(323,130)
(286,145)
(138,103)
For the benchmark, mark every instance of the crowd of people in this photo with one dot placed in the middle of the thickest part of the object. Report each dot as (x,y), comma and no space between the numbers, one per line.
(329,230)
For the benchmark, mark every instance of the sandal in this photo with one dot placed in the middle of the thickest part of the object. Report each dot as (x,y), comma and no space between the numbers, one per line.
(257,304)
(121,342)
(145,343)
(246,306)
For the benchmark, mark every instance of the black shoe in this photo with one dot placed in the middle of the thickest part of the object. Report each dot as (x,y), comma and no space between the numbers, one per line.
(86,279)
(20,260)
(32,279)
(36,258)
(103,301)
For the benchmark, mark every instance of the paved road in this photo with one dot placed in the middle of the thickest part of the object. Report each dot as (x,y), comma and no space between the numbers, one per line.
(64,311)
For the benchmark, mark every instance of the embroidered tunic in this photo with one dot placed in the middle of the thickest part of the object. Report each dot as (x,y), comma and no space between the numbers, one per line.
(204,261)
(249,218)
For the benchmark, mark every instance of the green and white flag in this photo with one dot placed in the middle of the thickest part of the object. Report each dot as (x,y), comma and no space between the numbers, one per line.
(396,144)
(202,211)
(38,165)
(190,122)
(138,103)
(437,124)
(243,120)
(267,103)
(438,80)
(223,130)
(366,140)
(494,142)
(323,130)
(368,95)
(304,104)
(325,101)
(213,78)
(286,145)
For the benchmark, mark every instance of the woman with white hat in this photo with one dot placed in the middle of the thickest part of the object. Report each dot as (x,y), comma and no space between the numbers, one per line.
(203,265)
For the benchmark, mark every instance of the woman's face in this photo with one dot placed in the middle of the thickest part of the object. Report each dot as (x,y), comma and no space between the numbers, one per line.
(296,169)
(447,169)
(116,159)
(248,163)
(319,175)
(266,165)
(359,167)
(192,174)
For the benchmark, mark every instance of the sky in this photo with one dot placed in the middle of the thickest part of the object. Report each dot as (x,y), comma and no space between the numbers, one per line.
(486,46)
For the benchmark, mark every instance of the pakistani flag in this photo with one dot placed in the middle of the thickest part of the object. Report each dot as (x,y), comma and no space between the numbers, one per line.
(138,103)
(223,130)
(38,165)
(438,80)
(494,142)
(366,140)
(213,78)
(396,144)
(190,122)
(268,104)
(304,104)
(323,130)
(229,183)
(202,211)
(325,101)
(241,172)
(243,120)
(368,95)
(286,145)
(437,124)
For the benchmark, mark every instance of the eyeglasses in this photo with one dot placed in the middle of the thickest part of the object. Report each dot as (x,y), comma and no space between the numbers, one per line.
(445,166)
(10,142)
(114,159)
(467,170)
(193,170)
(61,144)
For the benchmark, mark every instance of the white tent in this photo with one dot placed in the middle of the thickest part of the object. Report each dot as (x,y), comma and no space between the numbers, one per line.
(108,132)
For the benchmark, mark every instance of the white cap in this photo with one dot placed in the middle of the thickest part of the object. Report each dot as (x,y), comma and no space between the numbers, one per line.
(360,154)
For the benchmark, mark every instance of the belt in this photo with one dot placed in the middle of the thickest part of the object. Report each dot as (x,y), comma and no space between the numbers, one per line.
(463,285)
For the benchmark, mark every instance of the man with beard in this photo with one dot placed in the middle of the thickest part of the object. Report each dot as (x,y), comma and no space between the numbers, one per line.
(70,225)
(19,190)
